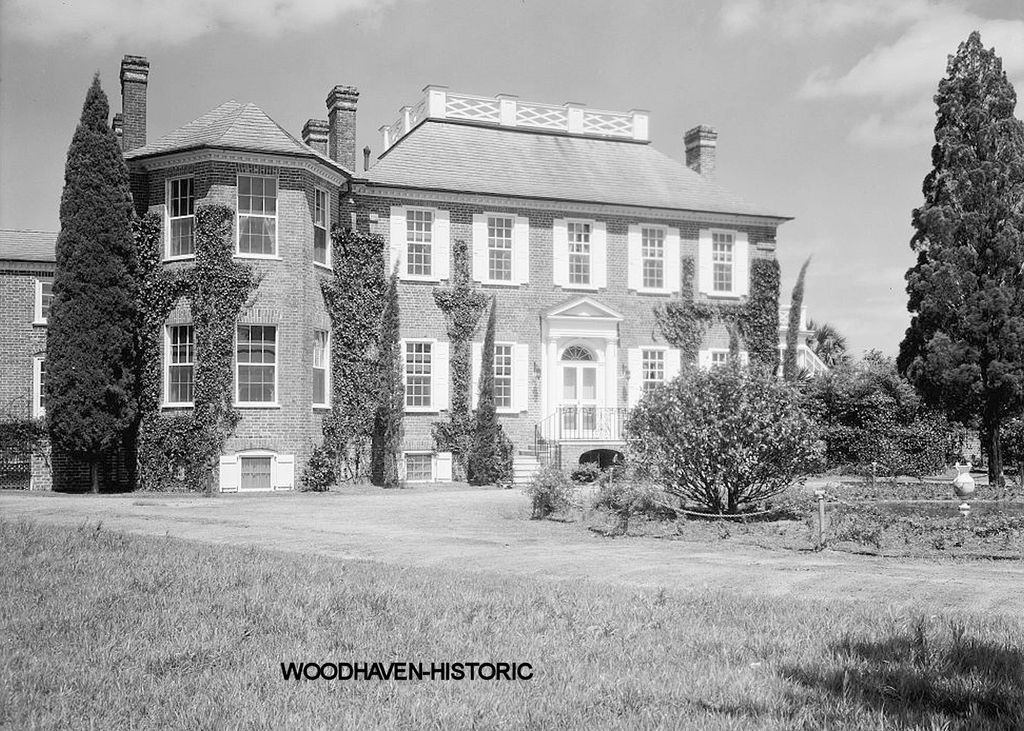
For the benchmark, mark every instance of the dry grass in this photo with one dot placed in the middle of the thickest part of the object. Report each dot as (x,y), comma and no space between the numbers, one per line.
(102,630)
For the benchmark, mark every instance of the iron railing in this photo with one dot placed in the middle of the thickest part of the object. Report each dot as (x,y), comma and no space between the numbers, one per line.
(583,424)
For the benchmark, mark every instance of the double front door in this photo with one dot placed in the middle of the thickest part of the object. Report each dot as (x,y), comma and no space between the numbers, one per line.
(579,399)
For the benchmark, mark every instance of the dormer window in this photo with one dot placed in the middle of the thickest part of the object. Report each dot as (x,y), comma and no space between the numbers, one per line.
(257,215)
(181,209)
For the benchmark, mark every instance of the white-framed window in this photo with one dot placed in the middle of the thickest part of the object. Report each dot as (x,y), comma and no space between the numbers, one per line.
(419,374)
(179,378)
(44,296)
(719,358)
(257,215)
(257,470)
(181,209)
(652,257)
(578,233)
(722,261)
(511,375)
(419,243)
(500,245)
(321,367)
(419,467)
(256,365)
(652,366)
(503,360)
(38,386)
(321,225)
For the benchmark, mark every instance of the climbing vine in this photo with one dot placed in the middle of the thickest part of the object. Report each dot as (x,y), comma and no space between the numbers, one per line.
(181,450)
(354,298)
(754,322)
(462,305)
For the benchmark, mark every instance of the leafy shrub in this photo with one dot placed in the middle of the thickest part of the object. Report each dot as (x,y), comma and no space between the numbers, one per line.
(550,492)
(722,438)
(626,498)
(585,473)
(318,475)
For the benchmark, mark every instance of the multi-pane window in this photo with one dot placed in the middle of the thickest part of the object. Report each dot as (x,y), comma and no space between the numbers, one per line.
(44,296)
(418,372)
(181,352)
(255,473)
(418,468)
(652,252)
(722,245)
(320,222)
(503,376)
(579,252)
(181,209)
(39,397)
(653,367)
(419,237)
(719,358)
(257,215)
(321,359)
(257,363)
(499,248)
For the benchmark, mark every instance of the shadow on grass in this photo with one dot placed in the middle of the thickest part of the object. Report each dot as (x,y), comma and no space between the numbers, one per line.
(922,674)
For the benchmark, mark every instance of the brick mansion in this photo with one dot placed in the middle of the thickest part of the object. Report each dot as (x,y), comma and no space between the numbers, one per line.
(575,223)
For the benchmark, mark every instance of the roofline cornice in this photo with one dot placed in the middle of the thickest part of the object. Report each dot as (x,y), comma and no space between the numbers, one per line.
(205,153)
(381,190)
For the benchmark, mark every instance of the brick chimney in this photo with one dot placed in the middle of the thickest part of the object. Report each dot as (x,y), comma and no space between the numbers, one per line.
(700,150)
(134,80)
(315,133)
(118,126)
(341,113)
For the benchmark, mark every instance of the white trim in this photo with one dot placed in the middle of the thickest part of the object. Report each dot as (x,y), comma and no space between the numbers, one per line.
(275,404)
(597,244)
(167,404)
(520,383)
(239,213)
(192,157)
(432,408)
(740,246)
(670,249)
(326,369)
(520,250)
(38,411)
(419,453)
(440,251)
(167,256)
(38,308)
(282,471)
(328,264)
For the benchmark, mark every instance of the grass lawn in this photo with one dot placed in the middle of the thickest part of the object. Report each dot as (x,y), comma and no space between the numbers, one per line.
(104,630)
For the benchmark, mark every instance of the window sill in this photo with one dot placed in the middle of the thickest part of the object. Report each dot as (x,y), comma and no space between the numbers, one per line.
(325,267)
(321,407)
(510,411)
(421,410)
(584,287)
(39,323)
(183,257)
(644,290)
(500,283)
(263,257)
(257,405)
(412,278)
(724,295)
(189,405)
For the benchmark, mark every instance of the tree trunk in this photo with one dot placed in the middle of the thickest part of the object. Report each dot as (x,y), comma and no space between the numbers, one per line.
(94,471)
(994,451)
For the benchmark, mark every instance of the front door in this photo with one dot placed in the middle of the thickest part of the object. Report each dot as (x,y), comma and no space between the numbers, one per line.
(579,399)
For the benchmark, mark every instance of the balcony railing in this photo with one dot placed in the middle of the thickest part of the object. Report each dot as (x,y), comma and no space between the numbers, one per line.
(583,424)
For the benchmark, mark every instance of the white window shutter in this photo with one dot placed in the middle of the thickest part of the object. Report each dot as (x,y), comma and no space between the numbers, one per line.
(560,251)
(284,472)
(705,269)
(398,243)
(744,358)
(443,466)
(672,363)
(230,473)
(479,247)
(475,361)
(634,254)
(672,253)
(741,271)
(635,363)
(439,382)
(599,255)
(521,250)
(704,359)
(521,377)
(442,245)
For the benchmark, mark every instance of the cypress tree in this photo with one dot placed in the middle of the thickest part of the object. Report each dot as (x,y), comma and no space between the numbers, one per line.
(387,432)
(484,459)
(90,344)
(789,369)
(964,349)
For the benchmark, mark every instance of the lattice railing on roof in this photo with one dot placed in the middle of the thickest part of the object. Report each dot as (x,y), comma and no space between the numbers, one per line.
(615,124)
(418,113)
(476,108)
(545,116)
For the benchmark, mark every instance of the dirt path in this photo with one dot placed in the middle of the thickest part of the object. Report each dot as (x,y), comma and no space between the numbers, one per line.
(489,530)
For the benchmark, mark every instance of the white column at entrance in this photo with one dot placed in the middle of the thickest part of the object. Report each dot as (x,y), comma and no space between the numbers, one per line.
(611,374)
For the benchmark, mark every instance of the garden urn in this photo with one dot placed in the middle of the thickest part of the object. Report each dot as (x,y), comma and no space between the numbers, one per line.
(963,483)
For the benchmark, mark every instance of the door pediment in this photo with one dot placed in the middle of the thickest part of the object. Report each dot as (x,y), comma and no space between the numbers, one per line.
(582,308)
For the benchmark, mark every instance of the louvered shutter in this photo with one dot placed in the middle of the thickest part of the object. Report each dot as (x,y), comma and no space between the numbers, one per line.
(443,466)
(479,250)
(398,243)
(476,354)
(599,255)
(439,376)
(741,270)
(521,377)
(635,363)
(521,250)
(704,359)
(284,471)
(560,252)
(672,254)
(230,473)
(634,256)
(673,363)
(705,268)
(442,245)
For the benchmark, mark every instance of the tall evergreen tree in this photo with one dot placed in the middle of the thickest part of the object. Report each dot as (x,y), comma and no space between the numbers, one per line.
(964,349)
(90,344)
(387,432)
(789,368)
(490,460)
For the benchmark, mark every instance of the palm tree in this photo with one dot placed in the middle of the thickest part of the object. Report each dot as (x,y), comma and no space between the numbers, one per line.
(827,343)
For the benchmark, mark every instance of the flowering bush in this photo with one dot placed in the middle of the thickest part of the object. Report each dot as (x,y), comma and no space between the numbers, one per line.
(722,438)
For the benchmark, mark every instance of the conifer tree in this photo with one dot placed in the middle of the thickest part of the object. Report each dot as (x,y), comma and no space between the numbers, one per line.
(964,349)
(387,433)
(90,348)
(490,460)
(789,368)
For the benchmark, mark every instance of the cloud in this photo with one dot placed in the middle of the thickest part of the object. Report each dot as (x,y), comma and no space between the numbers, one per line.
(900,128)
(109,23)
(800,18)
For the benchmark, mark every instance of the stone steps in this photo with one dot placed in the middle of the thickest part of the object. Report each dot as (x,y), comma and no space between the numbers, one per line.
(524,466)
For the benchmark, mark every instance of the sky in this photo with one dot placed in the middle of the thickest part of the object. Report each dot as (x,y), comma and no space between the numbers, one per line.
(823,107)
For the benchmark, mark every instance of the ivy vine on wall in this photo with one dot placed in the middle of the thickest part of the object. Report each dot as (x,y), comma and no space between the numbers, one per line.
(753,322)
(181,450)
(462,305)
